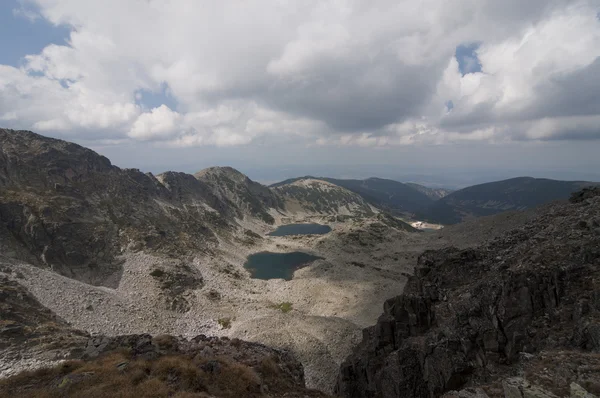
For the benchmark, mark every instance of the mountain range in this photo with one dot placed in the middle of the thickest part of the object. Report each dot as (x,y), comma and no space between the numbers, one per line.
(140,283)
(443,206)
(496,197)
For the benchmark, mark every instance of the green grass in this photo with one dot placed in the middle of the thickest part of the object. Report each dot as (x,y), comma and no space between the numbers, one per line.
(284,307)
(225,323)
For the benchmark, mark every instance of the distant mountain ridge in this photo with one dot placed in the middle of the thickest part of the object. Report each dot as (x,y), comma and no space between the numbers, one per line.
(442,206)
(321,196)
(394,196)
(495,197)
(433,193)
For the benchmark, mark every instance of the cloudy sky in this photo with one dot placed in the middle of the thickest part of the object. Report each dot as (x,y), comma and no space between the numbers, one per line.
(326,86)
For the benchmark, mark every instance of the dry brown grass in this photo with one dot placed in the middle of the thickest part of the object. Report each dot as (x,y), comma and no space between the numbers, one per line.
(165,341)
(119,376)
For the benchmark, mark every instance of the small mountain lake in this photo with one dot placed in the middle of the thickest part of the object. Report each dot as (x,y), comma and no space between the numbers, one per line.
(301,229)
(268,265)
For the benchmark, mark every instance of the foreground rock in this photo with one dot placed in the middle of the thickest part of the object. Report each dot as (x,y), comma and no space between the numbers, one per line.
(30,334)
(143,366)
(528,302)
(33,339)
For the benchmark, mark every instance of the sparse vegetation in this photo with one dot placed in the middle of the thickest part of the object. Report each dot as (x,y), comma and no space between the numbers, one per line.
(213,295)
(157,273)
(225,322)
(284,307)
(230,270)
(252,234)
(120,375)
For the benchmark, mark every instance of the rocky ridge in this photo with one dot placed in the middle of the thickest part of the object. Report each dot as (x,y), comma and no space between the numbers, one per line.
(66,208)
(323,197)
(524,304)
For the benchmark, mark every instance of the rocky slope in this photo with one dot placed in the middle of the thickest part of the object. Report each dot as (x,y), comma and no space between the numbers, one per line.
(433,193)
(322,197)
(524,304)
(236,191)
(67,208)
(496,197)
(32,337)
(30,334)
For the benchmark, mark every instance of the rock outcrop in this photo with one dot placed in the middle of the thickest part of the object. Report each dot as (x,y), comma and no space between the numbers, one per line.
(470,317)
(138,365)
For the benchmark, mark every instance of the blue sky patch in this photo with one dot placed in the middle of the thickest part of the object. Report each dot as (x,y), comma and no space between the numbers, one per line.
(466,55)
(21,36)
(153,99)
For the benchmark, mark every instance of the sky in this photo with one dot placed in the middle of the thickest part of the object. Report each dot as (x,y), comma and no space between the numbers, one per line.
(444,92)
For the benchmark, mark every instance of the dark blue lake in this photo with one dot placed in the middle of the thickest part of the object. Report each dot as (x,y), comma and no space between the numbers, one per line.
(301,229)
(267,265)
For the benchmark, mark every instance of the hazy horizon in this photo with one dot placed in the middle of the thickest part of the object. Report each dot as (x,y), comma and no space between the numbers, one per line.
(432,92)
(268,171)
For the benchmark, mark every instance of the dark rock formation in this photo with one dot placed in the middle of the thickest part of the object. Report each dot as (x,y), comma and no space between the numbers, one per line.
(467,317)
(65,207)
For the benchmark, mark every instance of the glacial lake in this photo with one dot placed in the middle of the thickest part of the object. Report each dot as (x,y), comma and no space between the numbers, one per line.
(268,265)
(301,229)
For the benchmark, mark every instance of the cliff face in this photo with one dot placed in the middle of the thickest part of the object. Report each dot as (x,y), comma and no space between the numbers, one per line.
(473,317)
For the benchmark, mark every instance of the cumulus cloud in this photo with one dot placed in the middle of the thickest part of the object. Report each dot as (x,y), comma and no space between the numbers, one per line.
(159,123)
(339,72)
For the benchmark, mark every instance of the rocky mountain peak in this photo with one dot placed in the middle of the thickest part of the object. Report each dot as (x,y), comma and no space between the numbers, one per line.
(32,160)
(322,196)
(222,172)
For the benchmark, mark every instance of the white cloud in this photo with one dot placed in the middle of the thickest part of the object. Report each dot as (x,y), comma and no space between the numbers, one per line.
(344,72)
(159,124)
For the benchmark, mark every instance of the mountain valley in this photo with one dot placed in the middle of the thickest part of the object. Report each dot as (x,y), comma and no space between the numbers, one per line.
(108,257)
